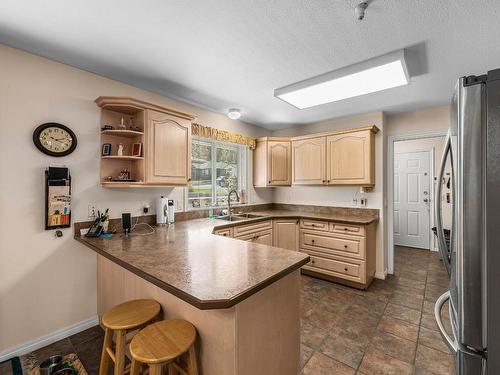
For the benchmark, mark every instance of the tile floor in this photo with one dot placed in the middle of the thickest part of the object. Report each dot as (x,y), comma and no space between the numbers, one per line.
(387,330)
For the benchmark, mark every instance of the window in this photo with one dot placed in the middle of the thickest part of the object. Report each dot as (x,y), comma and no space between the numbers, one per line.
(216,169)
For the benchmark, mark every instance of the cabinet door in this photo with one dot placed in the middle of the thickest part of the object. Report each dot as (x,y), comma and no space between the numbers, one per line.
(264,238)
(308,159)
(279,163)
(168,149)
(286,234)
(350,159)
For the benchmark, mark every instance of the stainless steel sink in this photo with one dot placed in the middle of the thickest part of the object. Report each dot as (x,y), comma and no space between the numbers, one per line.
(248,216)
(238,217)
(230,218)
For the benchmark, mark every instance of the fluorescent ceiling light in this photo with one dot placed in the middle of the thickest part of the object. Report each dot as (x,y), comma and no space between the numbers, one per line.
(377,74)
(234,113)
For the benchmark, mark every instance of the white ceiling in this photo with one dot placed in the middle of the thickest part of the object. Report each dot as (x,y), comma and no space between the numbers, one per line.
(234,53)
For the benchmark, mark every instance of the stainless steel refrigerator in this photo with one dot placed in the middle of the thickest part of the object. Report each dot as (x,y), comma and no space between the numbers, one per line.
(472,254)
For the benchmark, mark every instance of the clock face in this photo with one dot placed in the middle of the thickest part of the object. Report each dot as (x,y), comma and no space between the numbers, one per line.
(54,139)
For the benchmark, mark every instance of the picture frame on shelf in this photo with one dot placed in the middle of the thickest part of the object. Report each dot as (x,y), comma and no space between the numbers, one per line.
(137,149)
(106,149)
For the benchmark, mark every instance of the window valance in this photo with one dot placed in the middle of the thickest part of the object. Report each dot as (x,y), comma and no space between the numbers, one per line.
(222,135)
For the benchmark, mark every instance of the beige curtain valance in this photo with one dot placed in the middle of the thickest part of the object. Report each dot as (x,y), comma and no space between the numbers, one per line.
(222,135)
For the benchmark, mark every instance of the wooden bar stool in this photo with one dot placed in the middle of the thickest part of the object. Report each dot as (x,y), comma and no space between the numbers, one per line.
(170,343)
(120,320)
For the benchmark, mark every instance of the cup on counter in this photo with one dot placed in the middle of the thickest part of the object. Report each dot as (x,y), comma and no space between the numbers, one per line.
(105,225)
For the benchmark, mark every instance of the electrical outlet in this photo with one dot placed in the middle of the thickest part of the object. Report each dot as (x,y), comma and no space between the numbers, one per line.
(92,212)
(363,202)
(178,205)
(354,202)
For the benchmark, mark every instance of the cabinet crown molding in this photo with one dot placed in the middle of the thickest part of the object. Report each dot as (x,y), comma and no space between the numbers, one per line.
(123,103)
(372,128)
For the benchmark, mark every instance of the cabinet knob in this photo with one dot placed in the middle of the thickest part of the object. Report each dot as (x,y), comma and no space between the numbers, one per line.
(345,246)
(324,181)
(312,241)
(328,181)
(313,225)
(312,261)
(346,269)
(224,234)
(346,229)
(269,181)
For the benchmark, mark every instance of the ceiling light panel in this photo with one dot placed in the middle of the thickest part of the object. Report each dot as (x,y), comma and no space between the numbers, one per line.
(377,74)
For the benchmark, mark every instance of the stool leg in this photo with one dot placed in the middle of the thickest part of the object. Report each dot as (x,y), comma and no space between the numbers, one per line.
(135,367)
(155,369)
(108,338)
(192,365)
(121,342)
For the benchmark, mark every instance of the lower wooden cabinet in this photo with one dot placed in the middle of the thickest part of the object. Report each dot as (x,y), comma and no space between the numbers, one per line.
(343,253)
(339,252)
(286,234)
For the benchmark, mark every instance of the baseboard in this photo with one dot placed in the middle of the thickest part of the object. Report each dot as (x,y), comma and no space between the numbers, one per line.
(381,275)
(49,339)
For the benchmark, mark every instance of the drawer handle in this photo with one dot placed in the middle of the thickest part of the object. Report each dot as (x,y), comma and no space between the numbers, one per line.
(346,269)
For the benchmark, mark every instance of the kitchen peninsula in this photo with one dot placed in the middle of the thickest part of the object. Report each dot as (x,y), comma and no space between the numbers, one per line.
(242,296)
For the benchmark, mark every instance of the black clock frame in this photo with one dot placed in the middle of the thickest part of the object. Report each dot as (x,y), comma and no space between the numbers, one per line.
(38,144)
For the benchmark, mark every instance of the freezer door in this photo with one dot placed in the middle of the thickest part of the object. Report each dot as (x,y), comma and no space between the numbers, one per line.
(468,248)
(467,360)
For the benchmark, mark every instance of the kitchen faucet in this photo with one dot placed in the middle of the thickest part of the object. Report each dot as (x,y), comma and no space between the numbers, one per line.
(229,201)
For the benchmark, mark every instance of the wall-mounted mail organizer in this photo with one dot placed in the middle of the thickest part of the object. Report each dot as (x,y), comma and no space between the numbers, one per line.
(57,198)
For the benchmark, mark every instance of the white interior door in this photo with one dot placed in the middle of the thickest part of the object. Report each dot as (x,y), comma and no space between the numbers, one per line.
(412,199)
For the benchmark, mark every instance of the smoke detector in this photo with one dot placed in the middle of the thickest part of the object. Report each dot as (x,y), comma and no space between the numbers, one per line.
(360,9)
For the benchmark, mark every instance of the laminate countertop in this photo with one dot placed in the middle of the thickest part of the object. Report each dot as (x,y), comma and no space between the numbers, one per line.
(203,269)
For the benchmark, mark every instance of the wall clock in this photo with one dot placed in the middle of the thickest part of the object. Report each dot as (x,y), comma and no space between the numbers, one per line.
(54,139)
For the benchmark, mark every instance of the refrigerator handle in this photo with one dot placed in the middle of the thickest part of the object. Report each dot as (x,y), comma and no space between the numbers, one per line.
(437,204)
(453,345)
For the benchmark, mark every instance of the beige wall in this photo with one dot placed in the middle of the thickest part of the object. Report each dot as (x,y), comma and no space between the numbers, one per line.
(427,120)
(343,195)
(46,283)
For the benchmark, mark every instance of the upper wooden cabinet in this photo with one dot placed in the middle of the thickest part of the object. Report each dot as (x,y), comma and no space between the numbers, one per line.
(309,161)
(272,162)
(168,155)
(351,158)
(165,138)
(344,157)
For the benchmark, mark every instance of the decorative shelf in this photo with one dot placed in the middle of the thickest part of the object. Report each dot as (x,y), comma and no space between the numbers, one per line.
(116,157)
(123,133)
(126,184)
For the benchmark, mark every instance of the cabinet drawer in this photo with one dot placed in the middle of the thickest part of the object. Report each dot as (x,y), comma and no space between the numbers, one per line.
(314,224)
(252,228)
(347,229)
(353,271)
(227,232)
(349,246)
(263,237)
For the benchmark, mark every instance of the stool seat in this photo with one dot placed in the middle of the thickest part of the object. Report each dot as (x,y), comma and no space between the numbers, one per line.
(163,341)
(131,314)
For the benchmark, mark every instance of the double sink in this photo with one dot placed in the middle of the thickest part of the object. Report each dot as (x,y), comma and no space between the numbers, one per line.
(238,217)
